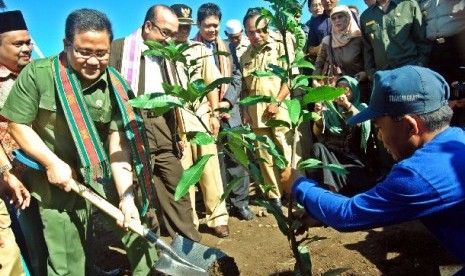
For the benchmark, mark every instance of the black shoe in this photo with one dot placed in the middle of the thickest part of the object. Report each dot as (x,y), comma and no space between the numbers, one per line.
(276,202)
(100,272)
(244,213)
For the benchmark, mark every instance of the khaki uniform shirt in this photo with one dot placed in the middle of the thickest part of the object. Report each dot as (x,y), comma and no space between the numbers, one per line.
(267,86)
(206,70)
(32,101)
(242,47)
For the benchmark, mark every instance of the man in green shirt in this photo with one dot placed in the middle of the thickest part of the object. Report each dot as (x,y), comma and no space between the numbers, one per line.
(68,112)
(395,35)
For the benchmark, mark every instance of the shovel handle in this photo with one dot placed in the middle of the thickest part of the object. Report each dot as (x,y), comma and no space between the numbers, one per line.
(88,194)
(106,207)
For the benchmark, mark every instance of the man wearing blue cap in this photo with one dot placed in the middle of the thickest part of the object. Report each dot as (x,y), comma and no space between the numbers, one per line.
(409,108)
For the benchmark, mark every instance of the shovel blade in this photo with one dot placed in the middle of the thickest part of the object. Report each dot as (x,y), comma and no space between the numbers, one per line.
(193,252)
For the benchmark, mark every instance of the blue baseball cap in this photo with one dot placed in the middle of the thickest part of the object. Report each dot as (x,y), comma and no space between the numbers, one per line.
(402,91)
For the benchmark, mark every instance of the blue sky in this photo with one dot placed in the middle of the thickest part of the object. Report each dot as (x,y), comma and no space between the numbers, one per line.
(46,19)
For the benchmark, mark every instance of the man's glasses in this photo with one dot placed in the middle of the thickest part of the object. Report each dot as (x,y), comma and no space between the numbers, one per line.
(164,32)
(101,55)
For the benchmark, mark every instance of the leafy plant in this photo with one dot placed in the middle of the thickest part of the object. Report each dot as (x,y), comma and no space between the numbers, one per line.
(240,143)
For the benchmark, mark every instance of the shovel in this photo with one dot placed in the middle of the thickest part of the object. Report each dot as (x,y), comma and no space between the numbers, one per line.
(183,257)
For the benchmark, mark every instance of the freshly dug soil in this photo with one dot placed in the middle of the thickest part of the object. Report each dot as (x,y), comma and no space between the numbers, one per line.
(224,266)
(259,248)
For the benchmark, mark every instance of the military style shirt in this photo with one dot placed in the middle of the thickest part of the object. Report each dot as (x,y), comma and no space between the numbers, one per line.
(443,18)
(33,101)
(252,60)
(394,38)
(206,70)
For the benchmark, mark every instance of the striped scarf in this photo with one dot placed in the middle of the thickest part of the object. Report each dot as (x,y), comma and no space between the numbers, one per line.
(224,65)
(95,165)
(132,52)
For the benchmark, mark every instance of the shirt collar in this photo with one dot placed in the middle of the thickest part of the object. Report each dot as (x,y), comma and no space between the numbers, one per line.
(101,82)
(5,72)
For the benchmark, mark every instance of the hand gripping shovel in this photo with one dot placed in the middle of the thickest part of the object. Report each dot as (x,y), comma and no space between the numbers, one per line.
(177,259)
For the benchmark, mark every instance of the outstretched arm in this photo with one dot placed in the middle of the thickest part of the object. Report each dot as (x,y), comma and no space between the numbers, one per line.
(58,172)
(120,161)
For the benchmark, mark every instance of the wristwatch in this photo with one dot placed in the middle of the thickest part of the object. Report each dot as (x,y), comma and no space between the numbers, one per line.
(5,168)
(127,195)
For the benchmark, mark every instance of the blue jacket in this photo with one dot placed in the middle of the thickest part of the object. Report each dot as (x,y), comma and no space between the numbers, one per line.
(428,186)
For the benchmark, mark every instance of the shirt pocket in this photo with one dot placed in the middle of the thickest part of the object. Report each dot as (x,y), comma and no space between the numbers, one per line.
(46,116)
(399,29)
(373,30)
(100,114)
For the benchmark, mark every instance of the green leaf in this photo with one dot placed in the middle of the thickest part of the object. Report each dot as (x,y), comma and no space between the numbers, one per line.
(262,73)
(191,176)
(277,123)
(310,116)
(294,109)
(322,93)
(337,169)
(300,80)
(199,138)
(309,163)
(222,53)
(256,173)
(303,64)
(305,261)
(251,100)
(268,145)
(317,164)
(217,83)
(159,103)
(278,71)
(227,190)
(239,153)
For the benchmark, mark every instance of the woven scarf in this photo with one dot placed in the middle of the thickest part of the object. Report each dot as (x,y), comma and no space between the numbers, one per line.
(95,165)
(130,64)
(224,65)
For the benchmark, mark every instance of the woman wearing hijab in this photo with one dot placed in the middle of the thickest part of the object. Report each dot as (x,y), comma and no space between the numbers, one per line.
(342,144)
(342,51)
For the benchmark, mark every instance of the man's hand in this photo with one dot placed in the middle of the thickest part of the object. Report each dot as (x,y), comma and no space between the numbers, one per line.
(306,220)
(288,177)
(59,173)
(16,191)
(215,125)
(271,111)
(130,212)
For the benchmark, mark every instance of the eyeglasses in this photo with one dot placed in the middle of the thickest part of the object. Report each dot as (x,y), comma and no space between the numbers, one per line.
(19,44)
(164,32)
(101,55)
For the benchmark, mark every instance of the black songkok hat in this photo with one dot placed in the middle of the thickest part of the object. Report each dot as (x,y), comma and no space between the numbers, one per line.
(184,14)
(12,21)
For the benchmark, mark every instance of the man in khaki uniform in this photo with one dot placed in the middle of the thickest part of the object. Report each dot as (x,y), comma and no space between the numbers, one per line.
(211,183)
(257,115)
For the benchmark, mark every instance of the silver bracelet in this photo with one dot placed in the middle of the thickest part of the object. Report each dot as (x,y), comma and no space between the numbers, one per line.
(5,168)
